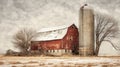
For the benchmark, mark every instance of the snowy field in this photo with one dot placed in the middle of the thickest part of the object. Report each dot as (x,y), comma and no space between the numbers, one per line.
(59,61)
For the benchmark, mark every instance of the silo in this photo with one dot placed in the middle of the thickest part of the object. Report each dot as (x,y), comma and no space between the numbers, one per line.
(86,31)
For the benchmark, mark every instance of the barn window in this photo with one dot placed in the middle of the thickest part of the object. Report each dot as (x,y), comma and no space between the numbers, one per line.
(46,50)
(65,50)
(72,27)
(53,50)
(71,38)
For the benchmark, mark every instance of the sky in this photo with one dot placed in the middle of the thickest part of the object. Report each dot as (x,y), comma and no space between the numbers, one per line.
(38,14)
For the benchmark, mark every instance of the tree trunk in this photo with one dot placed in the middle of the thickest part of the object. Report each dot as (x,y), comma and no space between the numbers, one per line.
(25,51)
(97,49)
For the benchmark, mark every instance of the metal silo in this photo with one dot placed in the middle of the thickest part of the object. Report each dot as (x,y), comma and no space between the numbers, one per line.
(86,31)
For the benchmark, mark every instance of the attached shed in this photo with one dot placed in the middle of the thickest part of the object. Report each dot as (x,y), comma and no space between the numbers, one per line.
(57,41)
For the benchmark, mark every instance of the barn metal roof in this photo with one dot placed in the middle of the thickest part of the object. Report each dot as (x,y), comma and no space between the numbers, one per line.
(53,33)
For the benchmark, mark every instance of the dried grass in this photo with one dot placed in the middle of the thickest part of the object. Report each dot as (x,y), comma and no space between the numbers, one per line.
(61,62)
(1,63)
(50,63)
(27,66)
(41,64)
(91,64)
(118,64)
(32,62)
(14,66)
(105,66)
(80,65)
(14,62)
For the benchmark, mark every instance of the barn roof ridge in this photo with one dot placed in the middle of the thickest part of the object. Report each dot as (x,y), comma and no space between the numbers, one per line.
(55,28)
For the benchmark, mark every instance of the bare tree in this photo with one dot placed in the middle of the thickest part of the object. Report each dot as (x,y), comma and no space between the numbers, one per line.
(22,39)
(106,30)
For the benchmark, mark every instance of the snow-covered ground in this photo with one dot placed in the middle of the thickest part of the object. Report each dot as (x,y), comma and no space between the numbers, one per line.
(59,61)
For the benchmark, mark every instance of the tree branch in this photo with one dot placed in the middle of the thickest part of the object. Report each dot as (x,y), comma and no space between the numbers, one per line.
(112,44)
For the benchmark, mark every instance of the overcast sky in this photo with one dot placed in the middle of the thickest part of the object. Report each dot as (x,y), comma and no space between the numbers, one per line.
(37,14)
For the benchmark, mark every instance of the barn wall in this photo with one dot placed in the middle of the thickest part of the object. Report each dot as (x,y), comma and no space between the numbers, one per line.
(71,39)
(68,44)
(51,45)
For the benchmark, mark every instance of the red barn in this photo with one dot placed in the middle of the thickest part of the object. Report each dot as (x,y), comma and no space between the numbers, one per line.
(63,40)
